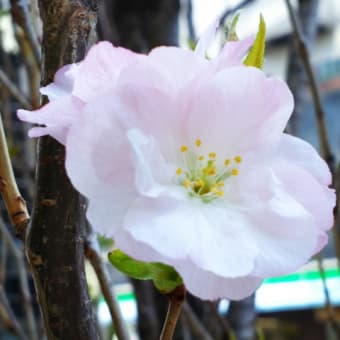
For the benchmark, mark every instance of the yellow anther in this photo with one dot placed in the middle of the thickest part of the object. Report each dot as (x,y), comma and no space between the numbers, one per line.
(179,172)
(238,159)
(184,148)
(234,172)
(201,158)
(199,183)
(198,142)
(212,171)
(220,184)
(219,193)
(187,183)
(227,162)
(212,155)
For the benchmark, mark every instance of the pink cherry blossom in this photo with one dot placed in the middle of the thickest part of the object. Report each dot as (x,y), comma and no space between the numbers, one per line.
(184,161)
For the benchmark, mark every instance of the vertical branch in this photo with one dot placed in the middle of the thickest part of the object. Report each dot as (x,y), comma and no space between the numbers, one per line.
(92,253)
(22,18)
(176,299)
(319,112)
(15,204)
(296,75)
(55,241)
(325,149)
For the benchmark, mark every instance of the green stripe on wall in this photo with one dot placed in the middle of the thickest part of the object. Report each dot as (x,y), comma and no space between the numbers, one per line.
(312,275)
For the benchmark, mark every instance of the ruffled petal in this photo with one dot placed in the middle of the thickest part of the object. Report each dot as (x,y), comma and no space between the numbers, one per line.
(181,229)
(202,283)
(63,82)
(98,164)
(233,53)
(301,153)
(206,39)
(99,70)
(153,174)
(240,110)
(57,115)
(282,226)
(316,198)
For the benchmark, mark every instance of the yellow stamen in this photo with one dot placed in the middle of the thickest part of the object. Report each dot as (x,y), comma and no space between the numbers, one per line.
(220,184)
(217,192)
(201,158)
(234,172)
(187,183)
(212,171)
(199,183)
(198,142)
(212,155)
(227,162)
(179,172)
(238,159)
(184,148)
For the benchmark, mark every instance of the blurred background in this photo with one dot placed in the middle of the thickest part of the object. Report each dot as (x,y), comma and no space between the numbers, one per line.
(302,305)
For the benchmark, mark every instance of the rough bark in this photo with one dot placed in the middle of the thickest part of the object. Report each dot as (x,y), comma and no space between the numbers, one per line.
(296,76)
(55,248)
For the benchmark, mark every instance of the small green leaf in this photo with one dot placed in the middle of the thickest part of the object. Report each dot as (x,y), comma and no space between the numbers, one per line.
(164,277)
(256,55)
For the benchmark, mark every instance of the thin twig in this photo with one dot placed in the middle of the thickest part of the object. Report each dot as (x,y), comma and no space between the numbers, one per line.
(232,10)
(176,299)
(197,328)
(22,17)
(14,91)
(9,317)
(15,204)
(3,259)
(319,112)
(93,255)
(224,323)
(23,281)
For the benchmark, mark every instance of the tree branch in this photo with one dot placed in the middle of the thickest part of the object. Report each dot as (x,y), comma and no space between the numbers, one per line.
(319,112)
(196,326)
(15,204)
(22,17)
(55,241)
(92,253)
(23,281)
(14,91)
(176,299)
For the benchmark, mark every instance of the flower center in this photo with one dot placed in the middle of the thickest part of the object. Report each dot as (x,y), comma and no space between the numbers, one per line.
(202,175)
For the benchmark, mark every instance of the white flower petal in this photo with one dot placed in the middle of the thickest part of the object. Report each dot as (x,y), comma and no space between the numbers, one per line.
(234,110)
(188,230)
(206,39)
(301,153)
(202,283)
(99,166)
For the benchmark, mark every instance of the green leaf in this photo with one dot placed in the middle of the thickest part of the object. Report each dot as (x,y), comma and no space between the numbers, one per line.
(256,55)
(165,278)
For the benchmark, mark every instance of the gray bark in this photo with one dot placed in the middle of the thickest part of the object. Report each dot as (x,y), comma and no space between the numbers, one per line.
(55,242)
